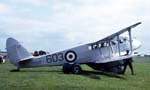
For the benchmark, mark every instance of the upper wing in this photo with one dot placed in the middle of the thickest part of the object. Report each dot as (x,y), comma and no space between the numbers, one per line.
(110,37)
(119,32)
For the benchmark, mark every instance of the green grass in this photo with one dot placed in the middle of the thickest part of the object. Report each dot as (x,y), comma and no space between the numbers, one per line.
(52,78)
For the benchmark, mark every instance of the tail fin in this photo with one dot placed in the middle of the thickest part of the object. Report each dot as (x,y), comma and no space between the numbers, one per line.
(16,52)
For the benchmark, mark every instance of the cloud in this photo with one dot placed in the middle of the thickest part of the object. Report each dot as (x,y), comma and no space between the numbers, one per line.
(66,23)
(5,9)
(94,16)
(26,10)
(32,2)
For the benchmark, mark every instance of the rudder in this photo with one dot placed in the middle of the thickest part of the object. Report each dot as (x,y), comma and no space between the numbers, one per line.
(15,51)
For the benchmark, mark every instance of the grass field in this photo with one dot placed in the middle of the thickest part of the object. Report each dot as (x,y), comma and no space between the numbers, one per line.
(52,78)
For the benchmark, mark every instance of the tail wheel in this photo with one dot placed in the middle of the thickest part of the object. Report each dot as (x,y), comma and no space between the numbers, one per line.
(76,69)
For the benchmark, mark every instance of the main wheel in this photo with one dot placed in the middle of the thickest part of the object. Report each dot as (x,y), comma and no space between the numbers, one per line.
(67,68)
(76,69)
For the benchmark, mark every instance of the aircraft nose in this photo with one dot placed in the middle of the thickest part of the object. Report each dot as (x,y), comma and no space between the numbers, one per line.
(136,44)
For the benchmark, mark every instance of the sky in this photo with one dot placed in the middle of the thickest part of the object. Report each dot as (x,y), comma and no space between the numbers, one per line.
(55,25)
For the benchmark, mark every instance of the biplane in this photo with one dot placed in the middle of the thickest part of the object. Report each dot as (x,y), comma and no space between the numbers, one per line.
(107,54)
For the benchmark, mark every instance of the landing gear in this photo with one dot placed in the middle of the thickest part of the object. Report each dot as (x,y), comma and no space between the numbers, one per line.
(67,68)
(72,68)
(118,69)
(76,69)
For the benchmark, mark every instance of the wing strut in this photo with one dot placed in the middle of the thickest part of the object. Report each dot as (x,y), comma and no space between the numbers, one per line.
(118,45)
(130,39)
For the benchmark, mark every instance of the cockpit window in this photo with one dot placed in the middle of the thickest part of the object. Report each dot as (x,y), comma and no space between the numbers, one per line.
(120,41)
(124,39)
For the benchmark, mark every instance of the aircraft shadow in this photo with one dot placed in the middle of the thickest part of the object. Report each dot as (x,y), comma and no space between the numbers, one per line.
(95,74)
(89,74)
(35,71)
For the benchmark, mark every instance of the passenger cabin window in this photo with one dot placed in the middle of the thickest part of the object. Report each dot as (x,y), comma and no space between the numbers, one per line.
(98,45)
(90,47)
(106,44)
(95,46)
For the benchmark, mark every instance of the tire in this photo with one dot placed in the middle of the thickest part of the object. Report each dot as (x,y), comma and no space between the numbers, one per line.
(76,69)
(67,68)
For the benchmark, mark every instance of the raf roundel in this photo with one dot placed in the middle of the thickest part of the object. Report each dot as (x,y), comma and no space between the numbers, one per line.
(70,56)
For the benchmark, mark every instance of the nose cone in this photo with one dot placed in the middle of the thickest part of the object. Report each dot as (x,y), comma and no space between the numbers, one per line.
(136,44)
